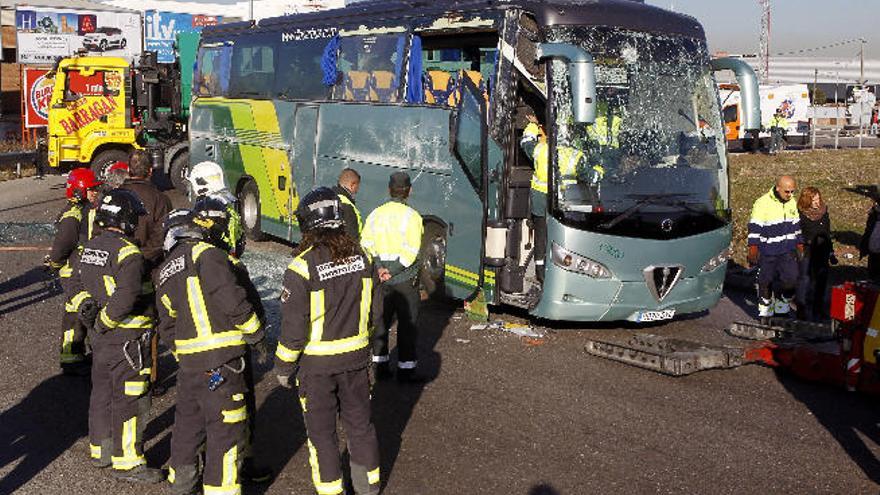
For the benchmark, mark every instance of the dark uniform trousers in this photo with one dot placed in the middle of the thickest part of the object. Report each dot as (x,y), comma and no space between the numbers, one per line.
(216,419)
(777,275)
(73,332)
(401,300)
(348,394)
(119,405)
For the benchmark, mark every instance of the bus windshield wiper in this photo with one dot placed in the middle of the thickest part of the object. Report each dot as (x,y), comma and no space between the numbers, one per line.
(645,199)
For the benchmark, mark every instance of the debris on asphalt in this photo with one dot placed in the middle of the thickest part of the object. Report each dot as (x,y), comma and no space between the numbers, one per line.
(521,329)
(463,341)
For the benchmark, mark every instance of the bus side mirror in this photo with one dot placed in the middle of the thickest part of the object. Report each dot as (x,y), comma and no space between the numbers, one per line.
(750,99)
(582,76)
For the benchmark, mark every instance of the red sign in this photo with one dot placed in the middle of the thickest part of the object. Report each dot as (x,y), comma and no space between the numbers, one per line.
(37,93)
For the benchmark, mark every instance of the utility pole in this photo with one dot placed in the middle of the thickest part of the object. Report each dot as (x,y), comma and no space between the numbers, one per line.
(814,119)
(764,53)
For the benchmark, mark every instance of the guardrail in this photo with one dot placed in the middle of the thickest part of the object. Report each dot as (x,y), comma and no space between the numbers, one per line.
(15,159)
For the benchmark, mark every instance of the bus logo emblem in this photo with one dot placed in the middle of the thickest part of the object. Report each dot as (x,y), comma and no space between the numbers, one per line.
(661,279)
(666,225)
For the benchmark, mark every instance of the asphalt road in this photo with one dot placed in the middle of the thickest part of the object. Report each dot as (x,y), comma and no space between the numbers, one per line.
(501,415)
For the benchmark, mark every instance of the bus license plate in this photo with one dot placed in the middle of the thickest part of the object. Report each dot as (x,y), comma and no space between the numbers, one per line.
(665,314)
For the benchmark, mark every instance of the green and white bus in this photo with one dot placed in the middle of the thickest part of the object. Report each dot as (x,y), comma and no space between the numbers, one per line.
(442,90)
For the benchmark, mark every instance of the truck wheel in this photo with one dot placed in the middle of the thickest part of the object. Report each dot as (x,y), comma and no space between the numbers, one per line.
(102,161)
(433,255)
(249,202)
(178,171)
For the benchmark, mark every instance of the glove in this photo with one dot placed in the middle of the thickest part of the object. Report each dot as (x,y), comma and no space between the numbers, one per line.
(287,380)
(833,259)
(88,313)
(753,255)
(262,351)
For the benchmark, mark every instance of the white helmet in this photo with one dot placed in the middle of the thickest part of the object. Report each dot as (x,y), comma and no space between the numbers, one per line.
(206,178)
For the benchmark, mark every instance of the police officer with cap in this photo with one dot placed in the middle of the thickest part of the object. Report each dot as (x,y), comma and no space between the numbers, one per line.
(109,274)
(327,310)
(392,234)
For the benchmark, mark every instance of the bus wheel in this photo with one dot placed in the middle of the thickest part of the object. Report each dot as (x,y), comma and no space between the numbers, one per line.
(249,201)
(104,159)
(433,255)
(178,171)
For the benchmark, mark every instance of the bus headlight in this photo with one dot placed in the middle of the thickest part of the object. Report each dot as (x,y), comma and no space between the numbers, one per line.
(573,262)
(716,261)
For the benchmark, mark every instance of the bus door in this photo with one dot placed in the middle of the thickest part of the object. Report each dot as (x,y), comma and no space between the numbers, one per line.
(466,212)
(302,161)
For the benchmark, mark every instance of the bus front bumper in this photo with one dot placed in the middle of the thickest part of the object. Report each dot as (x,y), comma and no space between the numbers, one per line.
(575,297)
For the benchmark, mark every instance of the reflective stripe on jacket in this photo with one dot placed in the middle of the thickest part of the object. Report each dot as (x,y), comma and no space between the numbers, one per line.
(327,311)
(774,226)
(567,161)
(203,310)
(393,232)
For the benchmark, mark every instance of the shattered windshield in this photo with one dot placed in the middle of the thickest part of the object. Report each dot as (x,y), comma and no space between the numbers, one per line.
(657,143)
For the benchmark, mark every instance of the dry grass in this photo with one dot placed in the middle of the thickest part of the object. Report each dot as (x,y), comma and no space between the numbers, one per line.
(832,172)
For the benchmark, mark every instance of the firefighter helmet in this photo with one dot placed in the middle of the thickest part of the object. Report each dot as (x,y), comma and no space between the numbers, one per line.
(212,214)
(80,180)
(319,209)
(120,209)
(179,226)
(206,178)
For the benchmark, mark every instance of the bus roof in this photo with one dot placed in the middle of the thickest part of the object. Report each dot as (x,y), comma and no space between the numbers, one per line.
(628,14)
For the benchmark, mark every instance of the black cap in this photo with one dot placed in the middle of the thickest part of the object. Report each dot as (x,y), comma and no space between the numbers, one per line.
(399,180)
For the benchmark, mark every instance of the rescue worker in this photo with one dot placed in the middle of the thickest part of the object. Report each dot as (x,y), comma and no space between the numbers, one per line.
(605,131)
(207,179)
(569,161)
(327,308)
(212,214)
(116,175)
(392,235)
(75,225)
(149,235)
(109,274)
(775,246)
(778,125)
(347,188)
(205,316)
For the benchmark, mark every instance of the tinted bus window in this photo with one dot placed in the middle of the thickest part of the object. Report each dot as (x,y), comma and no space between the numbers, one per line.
(212,70)
(371,67)
(299,72)
(253,67)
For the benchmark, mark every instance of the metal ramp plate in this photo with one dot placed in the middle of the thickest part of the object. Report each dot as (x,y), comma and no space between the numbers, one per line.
(673,357)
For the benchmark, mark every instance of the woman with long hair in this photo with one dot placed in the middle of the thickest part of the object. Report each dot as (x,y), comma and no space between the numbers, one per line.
(818,253)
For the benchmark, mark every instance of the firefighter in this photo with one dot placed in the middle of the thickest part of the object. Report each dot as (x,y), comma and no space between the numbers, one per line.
(111,303)
(347,188)
(206,317)
(327,310)
(213,213)
(207,179)
(75,225)
(775,246)
(392,235)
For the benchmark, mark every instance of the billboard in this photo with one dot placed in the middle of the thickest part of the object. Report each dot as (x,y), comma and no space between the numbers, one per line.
(37,91)
(45,34)
(160,28)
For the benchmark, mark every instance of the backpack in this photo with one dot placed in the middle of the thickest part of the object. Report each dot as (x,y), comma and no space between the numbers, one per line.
(874,240)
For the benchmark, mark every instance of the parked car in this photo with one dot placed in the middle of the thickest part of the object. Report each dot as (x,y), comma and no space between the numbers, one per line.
(104,38)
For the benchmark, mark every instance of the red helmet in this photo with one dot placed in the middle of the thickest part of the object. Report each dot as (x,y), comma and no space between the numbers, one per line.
(79,181)
(118,166)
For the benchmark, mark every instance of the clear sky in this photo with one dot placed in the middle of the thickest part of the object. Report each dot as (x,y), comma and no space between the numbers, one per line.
(735,25)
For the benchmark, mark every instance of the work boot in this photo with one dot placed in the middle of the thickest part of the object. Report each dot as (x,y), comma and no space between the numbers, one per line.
(250,471)
(103,461)
(410,376)
(382,371)
(140,474)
